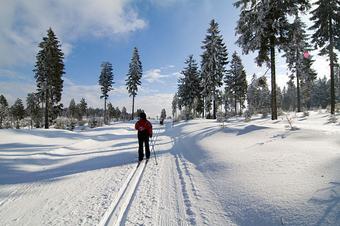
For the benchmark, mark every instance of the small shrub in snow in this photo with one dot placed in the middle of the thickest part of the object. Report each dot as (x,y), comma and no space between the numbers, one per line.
(61,123)
(337,107)
(279,112)
(290,122)
(305,113)
(264,114)
(93,123)
(220,116)
(81,122)
(332,119)
(247,116)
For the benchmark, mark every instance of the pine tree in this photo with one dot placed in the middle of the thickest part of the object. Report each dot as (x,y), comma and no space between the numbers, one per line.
(289,102)
(174,105)
(163,114)
(124,114)
(83,107)
(189,86)
(106,81)
(252,95)
(258,96)
(18,111)
(308,76)
(214,61)
(118,113)
(134,77)
(33,109)
(264,102)
(295,53)
(320,93)
(3,109)
(49,69)
(72,108)
(326,19)
(110,111)
(236,81)
(263,26)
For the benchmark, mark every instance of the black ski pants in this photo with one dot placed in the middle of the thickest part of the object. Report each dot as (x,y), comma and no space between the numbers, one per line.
(143,137)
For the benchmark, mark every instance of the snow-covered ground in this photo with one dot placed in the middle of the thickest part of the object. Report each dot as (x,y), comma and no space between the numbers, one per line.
(246,173)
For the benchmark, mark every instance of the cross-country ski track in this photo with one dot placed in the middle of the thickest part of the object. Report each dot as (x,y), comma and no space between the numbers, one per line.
(246,173)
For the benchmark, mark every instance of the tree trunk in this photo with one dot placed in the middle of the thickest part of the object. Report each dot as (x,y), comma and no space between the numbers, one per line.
(214,106)
(235,103)
(298,91)
(46,110)
(298,96)
(331,56)
(105,122)
(133,107)
(273,78)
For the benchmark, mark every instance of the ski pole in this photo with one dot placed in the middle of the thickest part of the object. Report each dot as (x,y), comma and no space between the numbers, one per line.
(153,141)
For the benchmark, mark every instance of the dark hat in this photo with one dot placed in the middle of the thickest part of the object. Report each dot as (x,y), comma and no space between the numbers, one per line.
(142,115)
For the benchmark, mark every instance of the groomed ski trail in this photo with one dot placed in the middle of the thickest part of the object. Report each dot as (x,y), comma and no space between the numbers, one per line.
(174,192)
(117,212)
(119,208)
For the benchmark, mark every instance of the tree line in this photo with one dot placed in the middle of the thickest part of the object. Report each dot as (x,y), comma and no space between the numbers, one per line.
(264,27)
(44,106)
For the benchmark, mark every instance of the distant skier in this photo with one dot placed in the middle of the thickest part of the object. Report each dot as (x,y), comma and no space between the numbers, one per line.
(144,128)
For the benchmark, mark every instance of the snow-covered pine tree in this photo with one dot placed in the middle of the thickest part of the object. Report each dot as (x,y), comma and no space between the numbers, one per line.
(83,107)
(263,96)
(263,26)
(174,105)
(3,109)
(18,111)
(163,114)
(49,69)
(33,109)
(189,85)
(337,82)
(214,61)
(289,102)
(279,97)
(106,82)
(294,53)
(308,76)
(320,93)
(124,114)
(117,113)
(72,108)
(252,95)
(134,77)
(236,82)
(326,17)
(110,111)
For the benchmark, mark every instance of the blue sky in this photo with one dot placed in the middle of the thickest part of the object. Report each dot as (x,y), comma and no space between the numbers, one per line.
(164,31)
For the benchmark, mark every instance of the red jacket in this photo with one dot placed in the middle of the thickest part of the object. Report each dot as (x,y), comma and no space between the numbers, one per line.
(142,125)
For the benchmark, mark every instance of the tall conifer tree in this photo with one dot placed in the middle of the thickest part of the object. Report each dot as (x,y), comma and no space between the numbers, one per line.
(326,19)
(295,50)
(235,80)
(189,86)
(214,61)
(263,26)
(134,77)
(106,81)
(49,69)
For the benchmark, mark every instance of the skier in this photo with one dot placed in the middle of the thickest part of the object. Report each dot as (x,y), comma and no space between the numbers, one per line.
(144,128)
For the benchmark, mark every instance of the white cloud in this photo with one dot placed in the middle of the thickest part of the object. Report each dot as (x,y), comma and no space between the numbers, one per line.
(154,75)
(24,23)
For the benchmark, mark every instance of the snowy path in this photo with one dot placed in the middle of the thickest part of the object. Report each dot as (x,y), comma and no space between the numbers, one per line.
(257,173)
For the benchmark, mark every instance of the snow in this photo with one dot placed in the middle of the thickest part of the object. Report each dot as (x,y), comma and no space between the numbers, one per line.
(245,173)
